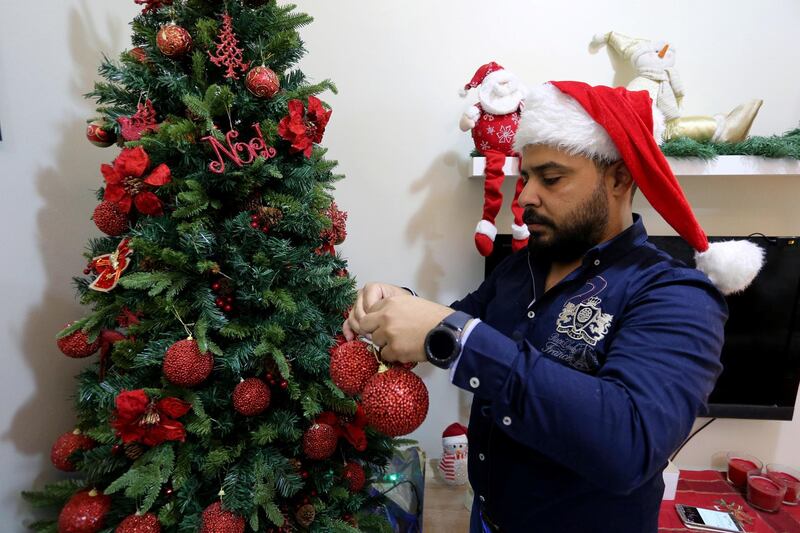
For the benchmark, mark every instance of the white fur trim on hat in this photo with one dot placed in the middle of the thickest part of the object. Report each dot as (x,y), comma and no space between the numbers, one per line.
(487,228)
(730,265)
(519,233)
(456,439)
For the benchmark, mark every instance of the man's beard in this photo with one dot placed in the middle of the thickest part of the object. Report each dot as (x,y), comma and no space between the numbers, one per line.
(572,239)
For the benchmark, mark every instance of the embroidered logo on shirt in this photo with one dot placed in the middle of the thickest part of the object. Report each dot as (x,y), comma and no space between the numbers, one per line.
(584,321)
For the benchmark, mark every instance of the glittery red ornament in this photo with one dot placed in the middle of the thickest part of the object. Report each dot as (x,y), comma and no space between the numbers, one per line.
(228,52)
(184,365)
(262,82)
(173,41)
(77,345)
(146,523)
(251,397)
(337,233)
(99,135)
(218,520)
(395,402)
(319,441)
(85,512)
(110,219)
(138,53)
(352,364)
(66,445)
(133,127)
(355,477)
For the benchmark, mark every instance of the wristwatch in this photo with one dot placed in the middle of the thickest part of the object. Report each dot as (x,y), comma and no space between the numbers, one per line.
(443,343)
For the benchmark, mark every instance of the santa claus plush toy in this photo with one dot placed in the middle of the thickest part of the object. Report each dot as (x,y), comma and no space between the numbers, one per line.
(453,464)
(493,121)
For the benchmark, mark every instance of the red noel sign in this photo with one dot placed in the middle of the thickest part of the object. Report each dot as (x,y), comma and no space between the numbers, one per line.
(249,150)
(110,267)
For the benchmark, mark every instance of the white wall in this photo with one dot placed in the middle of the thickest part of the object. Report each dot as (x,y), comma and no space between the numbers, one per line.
(398,66)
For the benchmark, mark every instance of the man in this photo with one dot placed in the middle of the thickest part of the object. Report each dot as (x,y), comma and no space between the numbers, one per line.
(590,353)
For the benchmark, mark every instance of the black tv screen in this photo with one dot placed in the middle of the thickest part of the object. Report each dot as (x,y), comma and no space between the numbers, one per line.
(761,354)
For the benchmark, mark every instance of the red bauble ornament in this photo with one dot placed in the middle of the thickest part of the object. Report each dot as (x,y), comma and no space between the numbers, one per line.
(110,219)
(218,520)
(184,365)
(262,82)
(352,364)
(66,445)
(146,523)
(320,441)
(251,397)
(85,512)
(139,55)
(77,345)
(98,135)
(395,402)
(354,475)
(173,41)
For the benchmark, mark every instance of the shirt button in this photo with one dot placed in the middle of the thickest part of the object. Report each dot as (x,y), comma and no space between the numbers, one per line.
(481,457)
(474,383)
(482,499)
(506,420)
(531,314)
(517,335)
(596,262)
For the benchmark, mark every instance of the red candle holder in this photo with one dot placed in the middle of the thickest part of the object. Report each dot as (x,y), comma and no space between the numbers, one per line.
(739,465)
(763,493)
(788,477)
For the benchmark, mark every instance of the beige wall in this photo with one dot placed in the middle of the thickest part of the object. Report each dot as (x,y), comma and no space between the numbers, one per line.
(398,66)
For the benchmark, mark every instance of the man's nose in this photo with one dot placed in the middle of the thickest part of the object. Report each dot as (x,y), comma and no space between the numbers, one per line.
(529,195)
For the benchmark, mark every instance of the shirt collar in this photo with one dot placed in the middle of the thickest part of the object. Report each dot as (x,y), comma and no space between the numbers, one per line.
(609,251)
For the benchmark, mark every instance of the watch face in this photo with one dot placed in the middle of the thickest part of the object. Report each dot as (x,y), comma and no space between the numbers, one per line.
(441,345)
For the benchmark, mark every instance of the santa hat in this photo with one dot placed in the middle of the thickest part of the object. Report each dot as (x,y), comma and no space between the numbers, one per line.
(479,77)
(613,123)
(628,47)
(454,433)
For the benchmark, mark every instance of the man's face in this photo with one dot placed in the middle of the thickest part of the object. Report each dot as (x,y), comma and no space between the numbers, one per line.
(565,202)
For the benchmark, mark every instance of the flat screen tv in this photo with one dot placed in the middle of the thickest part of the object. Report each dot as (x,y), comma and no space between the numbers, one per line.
(761,355)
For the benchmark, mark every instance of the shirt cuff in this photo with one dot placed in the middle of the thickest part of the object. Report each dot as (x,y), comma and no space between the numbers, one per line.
(464,336)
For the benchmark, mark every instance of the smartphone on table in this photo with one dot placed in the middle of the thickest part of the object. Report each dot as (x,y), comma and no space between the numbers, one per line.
(701,519)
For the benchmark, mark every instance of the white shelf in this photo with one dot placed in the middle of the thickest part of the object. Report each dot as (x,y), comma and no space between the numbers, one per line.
(724,165)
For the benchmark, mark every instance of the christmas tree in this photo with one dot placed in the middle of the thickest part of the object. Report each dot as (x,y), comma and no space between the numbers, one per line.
(216,296)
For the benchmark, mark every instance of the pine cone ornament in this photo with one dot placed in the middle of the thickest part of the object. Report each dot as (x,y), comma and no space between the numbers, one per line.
(146,523)
(133,450)
(85,512)
(320,441)
(305,515)
(185,366)
(66,445)
(352,364)
(77,344)
(395,402)
(218,520)
(355,477)
(110,219)
(251,397)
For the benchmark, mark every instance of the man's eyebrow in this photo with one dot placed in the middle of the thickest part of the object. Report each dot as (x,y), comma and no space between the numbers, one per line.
(544,167)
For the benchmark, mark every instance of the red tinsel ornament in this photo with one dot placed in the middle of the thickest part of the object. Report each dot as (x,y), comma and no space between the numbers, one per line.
(143,121)
(184,365)
(127,185)
(218,520)
(395,402)
(135,523)
(304,127)
(76,345)
(138,418)
(228,53)
(251,397)
(110,219)
(99,135)
(173,41)
(352,364)
(337,233)
(66,445)
(152,5)
(85,512)
(355,477)
(319,441)
(262,82)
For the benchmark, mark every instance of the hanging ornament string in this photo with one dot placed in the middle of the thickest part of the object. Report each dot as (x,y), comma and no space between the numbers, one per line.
(185,326)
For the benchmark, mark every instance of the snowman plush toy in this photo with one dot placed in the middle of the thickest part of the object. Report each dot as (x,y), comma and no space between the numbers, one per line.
(453,465)
(493,121)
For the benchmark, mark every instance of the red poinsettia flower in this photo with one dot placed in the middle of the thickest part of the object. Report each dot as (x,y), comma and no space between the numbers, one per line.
(304,128)
(126,183)
(350,428)
(138,418)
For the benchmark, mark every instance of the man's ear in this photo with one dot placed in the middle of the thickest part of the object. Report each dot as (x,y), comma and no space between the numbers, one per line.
(618,178)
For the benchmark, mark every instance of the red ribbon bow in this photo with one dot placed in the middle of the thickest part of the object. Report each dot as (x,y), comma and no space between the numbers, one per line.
(349,427)
(111,266)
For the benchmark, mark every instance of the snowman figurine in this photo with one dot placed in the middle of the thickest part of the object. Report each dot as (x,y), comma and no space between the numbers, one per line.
(453,465)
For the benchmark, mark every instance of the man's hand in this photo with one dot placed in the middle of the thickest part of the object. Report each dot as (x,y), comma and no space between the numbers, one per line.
(368,296)
(399,324)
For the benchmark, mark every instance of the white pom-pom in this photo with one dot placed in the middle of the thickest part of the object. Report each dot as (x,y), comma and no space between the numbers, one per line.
(462,92)
(598,42)
(730,265)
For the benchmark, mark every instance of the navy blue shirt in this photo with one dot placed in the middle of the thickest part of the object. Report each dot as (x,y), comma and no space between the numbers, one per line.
(581,393)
